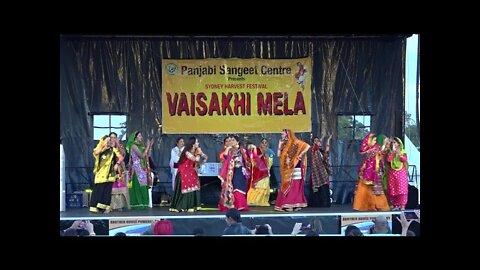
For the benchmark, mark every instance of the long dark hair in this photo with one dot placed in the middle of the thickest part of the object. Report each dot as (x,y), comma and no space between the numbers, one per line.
(178,139)
(188,147)
(322,150)
(237,138)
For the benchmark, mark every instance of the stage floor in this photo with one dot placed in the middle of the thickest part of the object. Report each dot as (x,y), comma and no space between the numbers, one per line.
(72,213)
(334,219)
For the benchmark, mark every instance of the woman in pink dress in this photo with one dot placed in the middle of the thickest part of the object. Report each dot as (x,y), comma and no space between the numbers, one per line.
(293,166)
(120,199)
(397,175)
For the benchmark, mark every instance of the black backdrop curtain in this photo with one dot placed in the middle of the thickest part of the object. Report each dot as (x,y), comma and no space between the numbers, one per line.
(123,74)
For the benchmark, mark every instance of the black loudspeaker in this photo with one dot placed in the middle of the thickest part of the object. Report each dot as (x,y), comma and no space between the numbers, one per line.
(412,202)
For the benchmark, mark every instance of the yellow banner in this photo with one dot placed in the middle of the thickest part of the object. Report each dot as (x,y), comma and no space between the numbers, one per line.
(236,95)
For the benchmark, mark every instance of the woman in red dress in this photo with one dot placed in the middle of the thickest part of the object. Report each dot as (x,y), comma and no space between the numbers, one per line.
(186,197)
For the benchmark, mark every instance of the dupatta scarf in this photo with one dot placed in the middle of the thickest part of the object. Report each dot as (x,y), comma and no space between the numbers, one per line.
(396,163)
(143,162)
(226,177)
(289,158)
(373,155)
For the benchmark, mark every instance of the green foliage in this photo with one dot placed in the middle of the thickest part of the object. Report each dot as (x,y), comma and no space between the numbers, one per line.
(411,130)
(349,129)
(345,132)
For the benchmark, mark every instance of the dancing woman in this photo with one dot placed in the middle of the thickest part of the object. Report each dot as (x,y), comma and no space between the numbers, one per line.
(234,177)
(397,175)
(105,171)
(186,196)
(259,191)
(369,194)
(293,166)
(138,184)
(320,173)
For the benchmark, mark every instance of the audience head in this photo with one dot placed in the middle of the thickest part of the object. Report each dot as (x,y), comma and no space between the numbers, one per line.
(317,225)
(352,230)
(198,231)
(312,233)
(262,229)
(70,232)
(163,227)
(381,225)
(410,233)
(233,216)
(414,229)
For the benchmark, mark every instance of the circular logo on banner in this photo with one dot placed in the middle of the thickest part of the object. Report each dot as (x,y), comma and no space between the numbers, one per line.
(171,69)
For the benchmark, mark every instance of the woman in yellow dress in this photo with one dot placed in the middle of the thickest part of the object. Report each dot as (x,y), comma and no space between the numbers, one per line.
(105,171)
(259,191)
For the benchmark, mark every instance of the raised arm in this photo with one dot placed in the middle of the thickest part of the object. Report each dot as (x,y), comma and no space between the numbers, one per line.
(100,149)
(139,153)
(327,147)
(280,147)
(302,154)
(119,155)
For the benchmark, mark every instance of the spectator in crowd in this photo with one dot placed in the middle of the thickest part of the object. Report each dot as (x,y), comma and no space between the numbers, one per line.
(263,229)
(352,230)
(70,232)
(312,233)
(316,225)
(80,228)
(163,227)
(234,222)
(297,228)
(198,232)
(409,227)
(160,227)
(380,226)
